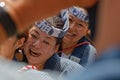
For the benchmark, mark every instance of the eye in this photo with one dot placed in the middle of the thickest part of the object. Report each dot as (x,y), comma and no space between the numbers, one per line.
(33,36)
(70,20)
(79,25)
(46,42)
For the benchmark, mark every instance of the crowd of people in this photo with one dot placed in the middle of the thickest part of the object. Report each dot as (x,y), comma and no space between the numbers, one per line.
(50,41)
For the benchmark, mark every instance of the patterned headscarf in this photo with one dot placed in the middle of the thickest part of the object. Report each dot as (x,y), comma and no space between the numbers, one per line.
(53,31)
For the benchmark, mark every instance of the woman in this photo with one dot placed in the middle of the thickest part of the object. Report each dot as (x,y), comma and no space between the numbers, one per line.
(75,45)
(43,42)
(8,50)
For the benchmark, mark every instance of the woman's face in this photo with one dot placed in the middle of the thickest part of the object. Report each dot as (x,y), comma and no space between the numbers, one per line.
(39,46)
(76,31)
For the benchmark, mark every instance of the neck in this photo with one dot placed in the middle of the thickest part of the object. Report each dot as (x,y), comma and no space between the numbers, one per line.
(67,45)
(69,48)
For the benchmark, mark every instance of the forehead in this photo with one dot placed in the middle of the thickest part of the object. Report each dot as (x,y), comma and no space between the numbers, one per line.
(79,13)
(40,33)
(71,16)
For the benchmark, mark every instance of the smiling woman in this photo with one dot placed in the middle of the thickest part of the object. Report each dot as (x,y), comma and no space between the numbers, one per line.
(41,38)
(75,45)
(36,45)
(43,42)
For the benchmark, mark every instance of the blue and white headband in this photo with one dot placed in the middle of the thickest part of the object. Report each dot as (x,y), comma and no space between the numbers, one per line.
(79,13)
(51,30)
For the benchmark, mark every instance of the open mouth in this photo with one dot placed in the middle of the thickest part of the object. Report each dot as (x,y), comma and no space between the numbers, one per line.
(34,54)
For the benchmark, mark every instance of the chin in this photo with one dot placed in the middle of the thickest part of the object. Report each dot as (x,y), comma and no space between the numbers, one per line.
(33,63)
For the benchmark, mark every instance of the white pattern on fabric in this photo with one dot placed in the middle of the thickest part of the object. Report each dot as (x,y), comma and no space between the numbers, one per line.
(51,30)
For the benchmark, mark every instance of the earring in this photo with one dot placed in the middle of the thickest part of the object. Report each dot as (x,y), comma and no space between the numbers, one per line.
(19,54)
(20,51)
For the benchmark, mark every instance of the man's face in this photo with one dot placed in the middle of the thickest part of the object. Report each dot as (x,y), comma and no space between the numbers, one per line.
(77,29)
(39,46)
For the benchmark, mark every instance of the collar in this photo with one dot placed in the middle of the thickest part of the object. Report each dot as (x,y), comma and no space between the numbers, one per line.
(52,62)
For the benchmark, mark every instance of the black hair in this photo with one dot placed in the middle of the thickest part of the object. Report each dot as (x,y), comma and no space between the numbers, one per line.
(22,35)
(57,22)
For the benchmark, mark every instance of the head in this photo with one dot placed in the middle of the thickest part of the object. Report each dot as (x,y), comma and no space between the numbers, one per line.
(43,40)
(8,48)
(78,24)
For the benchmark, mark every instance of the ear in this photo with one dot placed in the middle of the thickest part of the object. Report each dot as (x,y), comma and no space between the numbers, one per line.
(88,31)
(20,42)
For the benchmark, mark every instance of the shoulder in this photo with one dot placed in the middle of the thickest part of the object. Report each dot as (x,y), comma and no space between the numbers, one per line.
(70,65)
(91,49)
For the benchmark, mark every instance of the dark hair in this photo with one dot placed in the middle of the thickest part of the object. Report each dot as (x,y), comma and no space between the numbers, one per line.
(58,41)
(22,35)
(57,22)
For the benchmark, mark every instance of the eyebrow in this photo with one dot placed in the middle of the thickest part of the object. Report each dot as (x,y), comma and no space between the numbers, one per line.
(35,31)
(49,38)
(38,34)
(72,16)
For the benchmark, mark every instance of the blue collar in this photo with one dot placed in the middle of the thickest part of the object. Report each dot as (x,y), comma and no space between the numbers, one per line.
(52,62)
(83,39)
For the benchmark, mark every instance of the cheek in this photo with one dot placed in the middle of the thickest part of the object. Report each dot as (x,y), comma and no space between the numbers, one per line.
(81,32)
(26,46)
(29,41)
(46,54)
(50,51)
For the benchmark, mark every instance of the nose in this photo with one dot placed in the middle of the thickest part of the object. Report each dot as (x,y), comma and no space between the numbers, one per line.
(36,44)
(72,26)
